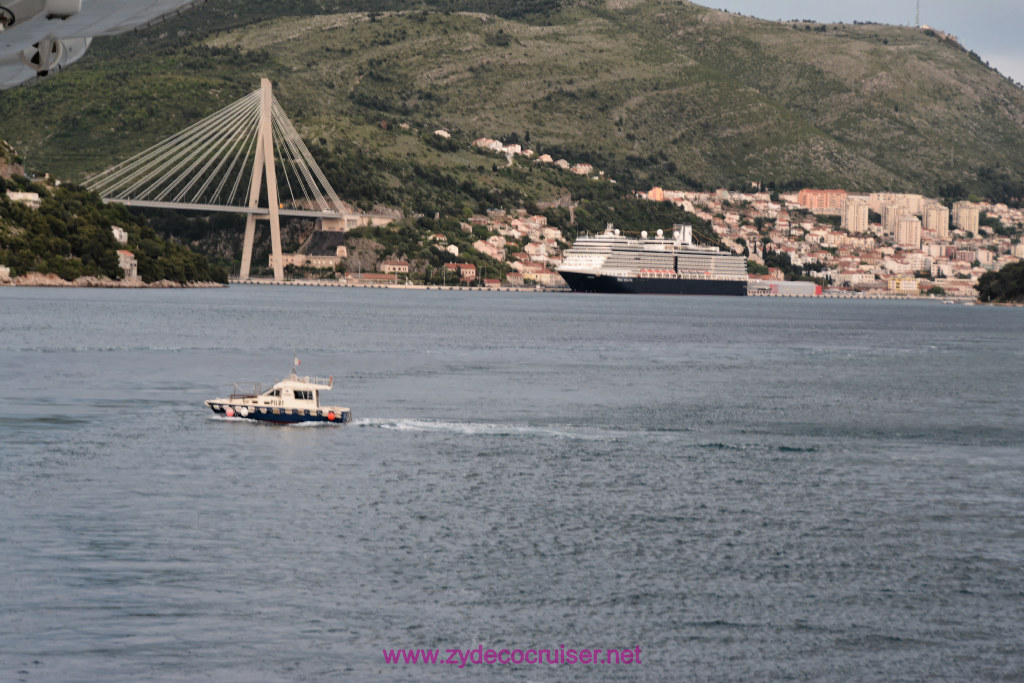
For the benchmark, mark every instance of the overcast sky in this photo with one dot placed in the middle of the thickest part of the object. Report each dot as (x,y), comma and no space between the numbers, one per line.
(992,28)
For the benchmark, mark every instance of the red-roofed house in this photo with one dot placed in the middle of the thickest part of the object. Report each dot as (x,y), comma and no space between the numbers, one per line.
(129,265)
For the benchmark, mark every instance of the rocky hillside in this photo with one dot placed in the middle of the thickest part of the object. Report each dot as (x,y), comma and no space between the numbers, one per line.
(10,162)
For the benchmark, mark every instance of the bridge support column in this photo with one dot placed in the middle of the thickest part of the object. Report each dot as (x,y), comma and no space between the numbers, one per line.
(264,164)
(250,235)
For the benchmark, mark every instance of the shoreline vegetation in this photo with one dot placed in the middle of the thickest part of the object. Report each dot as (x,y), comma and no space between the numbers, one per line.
(34,279)
(1005,286)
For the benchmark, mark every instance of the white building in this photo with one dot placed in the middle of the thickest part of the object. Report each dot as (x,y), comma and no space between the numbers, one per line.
(911,203)
(29,199)
(855,216)
(908,232)
(489,144)
(891,215)
(918,261)
(490,249)
(853,278)
(966,216)
(129,265)
(898,267)
(936,219)
(395,267)
(320,261)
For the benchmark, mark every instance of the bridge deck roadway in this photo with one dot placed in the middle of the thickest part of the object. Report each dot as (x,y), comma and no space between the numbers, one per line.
(259,212)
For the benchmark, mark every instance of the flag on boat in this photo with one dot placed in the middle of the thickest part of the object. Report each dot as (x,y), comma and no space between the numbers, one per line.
(297,361)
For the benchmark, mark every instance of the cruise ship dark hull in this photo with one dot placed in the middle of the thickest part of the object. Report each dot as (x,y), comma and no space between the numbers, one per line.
(607,284)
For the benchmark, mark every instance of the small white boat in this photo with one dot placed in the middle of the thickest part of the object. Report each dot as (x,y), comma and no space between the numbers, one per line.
(292,400)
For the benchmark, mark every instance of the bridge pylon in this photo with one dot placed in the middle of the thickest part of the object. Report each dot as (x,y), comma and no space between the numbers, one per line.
(263,164)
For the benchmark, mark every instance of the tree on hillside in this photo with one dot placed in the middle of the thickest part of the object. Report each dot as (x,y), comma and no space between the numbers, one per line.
(1004,286)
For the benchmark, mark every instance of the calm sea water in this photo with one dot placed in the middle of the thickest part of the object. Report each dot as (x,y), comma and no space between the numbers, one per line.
(745,489)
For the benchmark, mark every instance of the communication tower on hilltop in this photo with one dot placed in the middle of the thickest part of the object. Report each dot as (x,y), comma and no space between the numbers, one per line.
(918,20)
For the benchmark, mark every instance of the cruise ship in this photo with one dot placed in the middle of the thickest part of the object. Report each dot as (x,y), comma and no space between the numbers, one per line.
(612,263)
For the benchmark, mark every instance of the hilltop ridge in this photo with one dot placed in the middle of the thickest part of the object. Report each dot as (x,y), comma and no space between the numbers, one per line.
(654,92)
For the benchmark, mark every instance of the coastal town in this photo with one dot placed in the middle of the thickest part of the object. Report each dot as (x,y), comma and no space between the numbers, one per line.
(878,243)
(828,240)
(903,244)
(805,243)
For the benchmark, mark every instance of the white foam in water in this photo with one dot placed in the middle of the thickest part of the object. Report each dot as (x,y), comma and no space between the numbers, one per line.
(480,428)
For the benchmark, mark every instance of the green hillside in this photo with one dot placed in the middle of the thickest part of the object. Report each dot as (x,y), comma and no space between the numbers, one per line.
(652,92)
(70,235)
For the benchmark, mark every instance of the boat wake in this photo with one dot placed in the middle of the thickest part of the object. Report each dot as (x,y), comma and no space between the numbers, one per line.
(482,428)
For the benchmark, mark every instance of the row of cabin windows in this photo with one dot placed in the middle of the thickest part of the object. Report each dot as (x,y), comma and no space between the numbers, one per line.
(299,394)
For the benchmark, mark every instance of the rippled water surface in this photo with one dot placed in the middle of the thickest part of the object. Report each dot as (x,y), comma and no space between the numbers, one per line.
(745,489)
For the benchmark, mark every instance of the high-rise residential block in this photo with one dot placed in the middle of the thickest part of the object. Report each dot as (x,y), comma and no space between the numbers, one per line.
(936,219)
(966,216)
(908,232)
(855,216)
(891,215)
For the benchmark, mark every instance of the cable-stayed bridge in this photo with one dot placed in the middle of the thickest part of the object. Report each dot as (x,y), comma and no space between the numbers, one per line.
(220,164)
